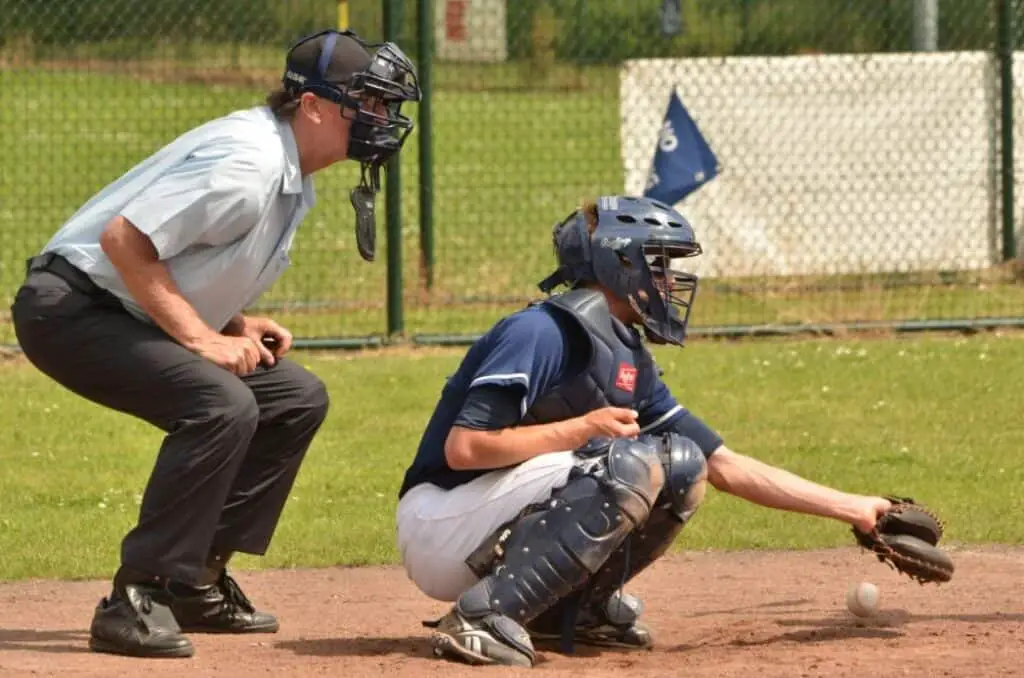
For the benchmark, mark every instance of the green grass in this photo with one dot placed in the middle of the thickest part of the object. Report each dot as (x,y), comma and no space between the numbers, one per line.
(509,162)
(507,166)
(934,417)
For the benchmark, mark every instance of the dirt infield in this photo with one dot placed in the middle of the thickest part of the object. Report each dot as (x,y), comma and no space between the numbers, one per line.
(715,614)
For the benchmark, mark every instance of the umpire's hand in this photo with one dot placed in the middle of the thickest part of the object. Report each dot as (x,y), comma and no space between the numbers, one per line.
(237,354)
(272,339)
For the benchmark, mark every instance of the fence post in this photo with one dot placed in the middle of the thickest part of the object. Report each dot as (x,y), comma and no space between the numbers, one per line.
(393,182)
(343,15)
(926,25)
(1005,57)
(426,143)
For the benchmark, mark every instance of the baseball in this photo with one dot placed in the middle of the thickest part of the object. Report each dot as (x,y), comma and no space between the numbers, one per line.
(862,599)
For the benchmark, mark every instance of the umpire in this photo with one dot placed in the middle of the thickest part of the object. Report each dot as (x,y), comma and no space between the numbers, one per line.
(136,304)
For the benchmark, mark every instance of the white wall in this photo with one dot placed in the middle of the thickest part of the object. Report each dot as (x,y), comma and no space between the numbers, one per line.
(831,164)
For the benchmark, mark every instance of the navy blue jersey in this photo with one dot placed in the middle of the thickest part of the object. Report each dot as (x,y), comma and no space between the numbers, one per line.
(528,353)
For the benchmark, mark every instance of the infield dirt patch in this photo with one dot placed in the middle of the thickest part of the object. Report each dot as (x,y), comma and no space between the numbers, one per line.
(763,614)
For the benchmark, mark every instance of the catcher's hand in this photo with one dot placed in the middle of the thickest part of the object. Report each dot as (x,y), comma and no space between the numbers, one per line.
(906,538)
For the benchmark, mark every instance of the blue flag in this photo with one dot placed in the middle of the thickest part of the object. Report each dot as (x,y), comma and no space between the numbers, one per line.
(683,161)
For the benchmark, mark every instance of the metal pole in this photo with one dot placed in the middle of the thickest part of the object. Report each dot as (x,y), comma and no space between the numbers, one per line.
(926,25)
(743,331)
(393,204)
(1005,56)
(426,141)
(745,26)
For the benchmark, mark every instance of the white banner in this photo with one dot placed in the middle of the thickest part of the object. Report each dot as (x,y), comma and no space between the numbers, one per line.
(830,164)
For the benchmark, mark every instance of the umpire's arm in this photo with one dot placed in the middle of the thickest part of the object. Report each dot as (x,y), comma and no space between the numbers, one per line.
(149,282)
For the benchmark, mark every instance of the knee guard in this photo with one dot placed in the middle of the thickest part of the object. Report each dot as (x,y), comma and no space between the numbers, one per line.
(685,470)
(686,475)
(549,552)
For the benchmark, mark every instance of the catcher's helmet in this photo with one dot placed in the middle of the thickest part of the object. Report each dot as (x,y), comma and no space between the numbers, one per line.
(630,252)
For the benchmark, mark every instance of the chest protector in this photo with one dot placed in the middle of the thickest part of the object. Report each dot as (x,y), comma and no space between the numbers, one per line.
(608,362)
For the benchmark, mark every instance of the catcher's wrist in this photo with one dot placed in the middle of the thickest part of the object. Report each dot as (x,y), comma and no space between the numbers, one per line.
(854,514)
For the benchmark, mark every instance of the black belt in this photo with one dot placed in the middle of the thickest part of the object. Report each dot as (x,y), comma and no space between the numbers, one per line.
(62,268)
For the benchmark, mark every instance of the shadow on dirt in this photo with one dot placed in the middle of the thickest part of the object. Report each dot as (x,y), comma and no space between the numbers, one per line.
(410,646)
(897,618)
(886,625)
(41,640)
(770,607)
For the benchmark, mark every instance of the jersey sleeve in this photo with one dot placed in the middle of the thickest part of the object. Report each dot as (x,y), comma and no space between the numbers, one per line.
(661,413)
(490,407)
(527,353)
(659,409)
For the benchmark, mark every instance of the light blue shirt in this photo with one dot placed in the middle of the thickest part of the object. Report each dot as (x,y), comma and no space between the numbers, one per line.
(221,204)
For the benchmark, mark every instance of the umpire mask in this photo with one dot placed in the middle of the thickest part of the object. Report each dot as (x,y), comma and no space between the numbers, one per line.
(371,82)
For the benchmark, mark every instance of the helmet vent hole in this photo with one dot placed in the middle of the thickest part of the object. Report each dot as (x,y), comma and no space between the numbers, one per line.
(625,218)
(652,221)
(675,224)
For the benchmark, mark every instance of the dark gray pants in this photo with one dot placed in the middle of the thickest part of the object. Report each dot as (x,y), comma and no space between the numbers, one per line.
(233,445)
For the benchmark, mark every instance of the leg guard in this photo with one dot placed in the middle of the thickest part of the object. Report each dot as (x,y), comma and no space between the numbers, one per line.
(546,554)
(599,602)
(549,553)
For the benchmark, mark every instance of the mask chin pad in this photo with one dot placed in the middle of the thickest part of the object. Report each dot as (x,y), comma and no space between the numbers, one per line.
(363,202)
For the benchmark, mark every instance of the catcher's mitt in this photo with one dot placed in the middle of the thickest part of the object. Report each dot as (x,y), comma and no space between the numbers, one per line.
(906,538)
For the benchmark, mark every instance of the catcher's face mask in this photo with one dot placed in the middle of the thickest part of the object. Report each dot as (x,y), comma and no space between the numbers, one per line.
(664,295)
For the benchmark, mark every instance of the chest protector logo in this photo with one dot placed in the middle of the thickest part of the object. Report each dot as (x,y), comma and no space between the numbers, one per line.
(626,378)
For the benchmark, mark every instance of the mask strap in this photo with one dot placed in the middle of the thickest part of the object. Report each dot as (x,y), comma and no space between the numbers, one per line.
(325,55)
(552,281)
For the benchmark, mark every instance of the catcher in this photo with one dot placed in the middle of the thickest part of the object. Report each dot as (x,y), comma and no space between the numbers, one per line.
(557,465)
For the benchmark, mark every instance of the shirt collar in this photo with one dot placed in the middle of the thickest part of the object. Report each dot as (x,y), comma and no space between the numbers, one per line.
(292,183)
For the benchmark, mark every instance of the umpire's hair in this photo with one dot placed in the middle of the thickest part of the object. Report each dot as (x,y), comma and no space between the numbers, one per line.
(282,104)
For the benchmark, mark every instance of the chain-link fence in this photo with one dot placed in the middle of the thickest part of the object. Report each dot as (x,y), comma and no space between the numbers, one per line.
(860,145)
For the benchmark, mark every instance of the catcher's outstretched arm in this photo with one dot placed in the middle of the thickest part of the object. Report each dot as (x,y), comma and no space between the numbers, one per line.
(763,484)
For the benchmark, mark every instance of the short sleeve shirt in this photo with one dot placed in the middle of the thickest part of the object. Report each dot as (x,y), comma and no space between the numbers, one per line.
(527,352)
(220,204)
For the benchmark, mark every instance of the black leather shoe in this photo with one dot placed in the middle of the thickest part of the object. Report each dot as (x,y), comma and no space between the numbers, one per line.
(136,621)
(219,608)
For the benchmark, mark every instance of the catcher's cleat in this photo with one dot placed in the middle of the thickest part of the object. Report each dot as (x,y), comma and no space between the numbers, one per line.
(492,639)
(611,624)
(135,621)
(635,636)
